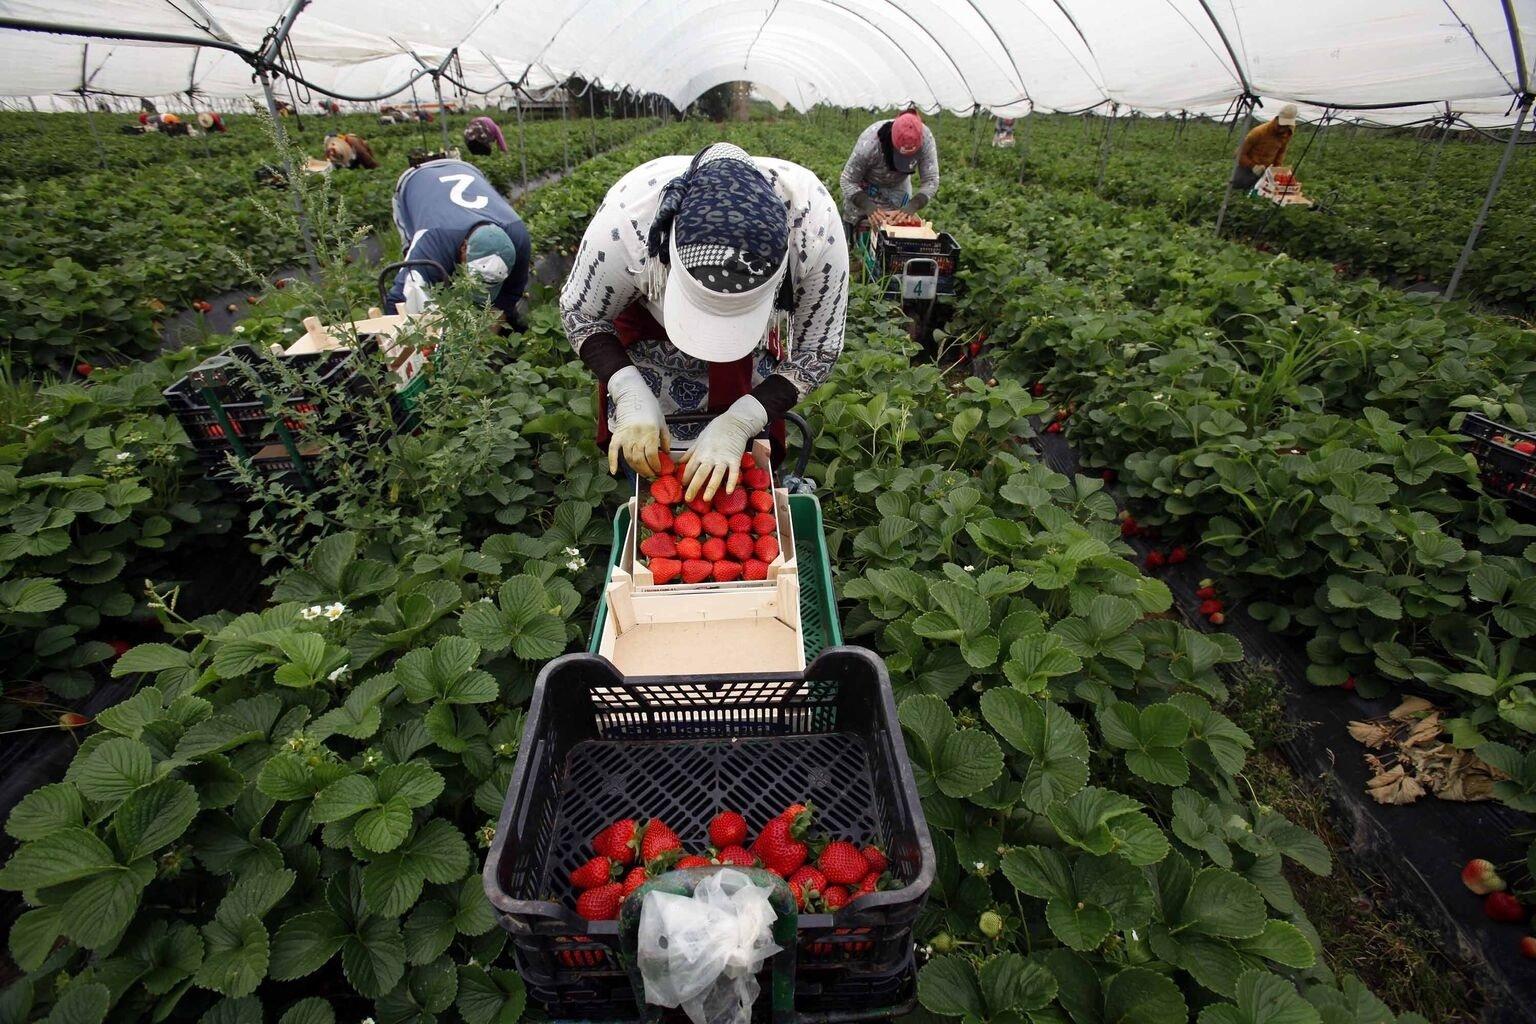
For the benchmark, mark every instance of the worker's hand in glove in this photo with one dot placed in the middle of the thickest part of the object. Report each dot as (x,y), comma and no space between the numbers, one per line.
(640,430)
(914,204)
(715,457)
(863,202)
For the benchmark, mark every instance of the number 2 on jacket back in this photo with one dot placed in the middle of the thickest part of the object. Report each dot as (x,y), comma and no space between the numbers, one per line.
(461,183)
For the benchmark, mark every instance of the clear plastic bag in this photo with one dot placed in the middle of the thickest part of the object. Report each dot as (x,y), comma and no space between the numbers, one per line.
(703,953)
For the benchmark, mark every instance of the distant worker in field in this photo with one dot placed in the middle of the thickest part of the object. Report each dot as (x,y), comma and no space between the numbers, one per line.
(1264,147)
(172,124)
(211,121)
(349,151)
(878,174)
(447,212)
(714,283)
(481,134)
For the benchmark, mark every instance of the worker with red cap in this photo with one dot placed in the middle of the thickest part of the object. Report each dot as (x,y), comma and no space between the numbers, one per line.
(878,174)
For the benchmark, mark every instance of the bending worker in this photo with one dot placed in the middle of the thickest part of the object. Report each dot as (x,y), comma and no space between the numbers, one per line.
(714,283)
(1264,147)
(481,134)
(349,151)
(447,212)
(878,174)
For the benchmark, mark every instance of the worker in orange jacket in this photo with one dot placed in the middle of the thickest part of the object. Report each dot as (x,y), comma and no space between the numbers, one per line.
(1264,147)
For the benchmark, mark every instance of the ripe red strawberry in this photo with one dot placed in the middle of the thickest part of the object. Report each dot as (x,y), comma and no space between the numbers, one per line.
(693,860)
(667,489)
(119,647)
(659,545)
(1481,877)
(664,460)
(1178,554)
(1503,907)
(72,720)
(598,871)
(665,570)
(798,892)
(766,548)
(779,847)
(1038,389)
(656,516)
(835,897)
(870,883)
(1216,620)
(762,501)
(699,506)
(1155,559)
(84,369)
(747,460)
(764,524)
(601,903)
(795,811)
(696,570)
(635,879)
(1528,946)
(617,841)
(712,550)
(842,863)
(687,524)
(1210,607)
(727,829)
(689,547)
(657,839)
(739,523)
(1349,682)
(732,503)
(1525,447)
(727,571)
(739,546)
(809,879)
(757,478)
(1205,593)
(1128,527)
(1109,476)
(715,524)
(736,855)
(1054,428)
(754,569)
(876,859)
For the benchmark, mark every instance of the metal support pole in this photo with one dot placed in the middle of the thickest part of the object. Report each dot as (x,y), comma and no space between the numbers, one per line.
(1023,144)
(565,130)
(1236,163)
(975,134)
(1434,157)
(1109,130)
(90,116)
(1493,190)
(592,119)
(442,113)
(288,169)
(522,149)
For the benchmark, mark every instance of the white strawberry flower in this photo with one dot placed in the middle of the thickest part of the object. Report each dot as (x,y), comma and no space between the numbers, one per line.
(339,674)
(311,613)
(335,610)
(39,421)
(123,455)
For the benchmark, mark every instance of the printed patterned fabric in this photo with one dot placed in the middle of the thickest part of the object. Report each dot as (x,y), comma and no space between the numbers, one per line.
(731,232)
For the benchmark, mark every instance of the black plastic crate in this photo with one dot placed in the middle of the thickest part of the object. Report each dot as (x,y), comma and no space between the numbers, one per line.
(597,747)
(1505,472)
(892,254)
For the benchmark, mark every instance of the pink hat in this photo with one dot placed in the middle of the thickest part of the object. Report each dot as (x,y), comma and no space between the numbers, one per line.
(907,133)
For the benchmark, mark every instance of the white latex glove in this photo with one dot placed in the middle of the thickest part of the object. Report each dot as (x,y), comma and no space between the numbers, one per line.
(715,457)
(640,430)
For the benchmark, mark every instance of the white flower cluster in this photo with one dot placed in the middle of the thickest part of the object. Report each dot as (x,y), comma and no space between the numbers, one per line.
(332,611)
(574,561)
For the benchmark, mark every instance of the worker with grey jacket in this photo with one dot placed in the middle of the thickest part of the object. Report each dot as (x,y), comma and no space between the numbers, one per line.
(878,174)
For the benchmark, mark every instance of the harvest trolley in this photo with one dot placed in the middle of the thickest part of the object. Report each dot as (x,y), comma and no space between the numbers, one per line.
(610,734)
(915,265)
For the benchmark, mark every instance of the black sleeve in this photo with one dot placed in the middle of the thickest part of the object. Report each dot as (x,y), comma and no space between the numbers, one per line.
(776,393)
(605,356)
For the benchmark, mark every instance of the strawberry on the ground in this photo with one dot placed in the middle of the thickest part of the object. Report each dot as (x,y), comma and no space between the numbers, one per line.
(757,478)
(764,525)
(687,524)
(1038,388)
(1210,607)
(779,847)
(617,841)
(755,569)
(835,897)
(657,839)
(1054,427)
(842,863)
(727,828)
(732,503)
(876,859)
(667,489)
(1502,906)
(712,550)
(656,516)
(601,903)
(1216,620)
(1155,559)
(766,548)
(1128,527)
(739,546)
(692,860)
(1349,682)
(1178,554)
(600,870)
(762,501)
(739,523)
(689,547)
(664,460)
(696,570)
(1205,593)
(1528,946)
(737,855)
(727,571)
(665,570)
(659,545)
(1481,877)
(699,506)
(635,879)
(715,524)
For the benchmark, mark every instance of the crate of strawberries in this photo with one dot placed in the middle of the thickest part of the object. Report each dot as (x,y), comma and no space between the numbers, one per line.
(1506,458)
(715,579)
(622,779)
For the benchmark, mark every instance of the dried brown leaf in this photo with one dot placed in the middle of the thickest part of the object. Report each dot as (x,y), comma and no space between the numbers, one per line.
(1411,707)
(1394,786)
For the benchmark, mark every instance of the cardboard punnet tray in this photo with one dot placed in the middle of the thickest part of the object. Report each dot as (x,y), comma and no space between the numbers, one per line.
(706,628)
(406,361)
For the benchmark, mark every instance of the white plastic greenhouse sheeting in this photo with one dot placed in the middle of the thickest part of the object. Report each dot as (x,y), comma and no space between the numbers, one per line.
(1007,56)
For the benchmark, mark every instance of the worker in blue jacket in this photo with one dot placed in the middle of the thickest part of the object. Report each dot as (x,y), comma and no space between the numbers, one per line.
(447,212)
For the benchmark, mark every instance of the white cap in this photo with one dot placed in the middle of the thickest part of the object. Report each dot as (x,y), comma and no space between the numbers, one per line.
(715,326)
(1288,114)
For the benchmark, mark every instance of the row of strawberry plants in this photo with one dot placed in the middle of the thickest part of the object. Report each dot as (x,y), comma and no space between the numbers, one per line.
(1297,428)
(282,822)
(1387,203)
(94,262)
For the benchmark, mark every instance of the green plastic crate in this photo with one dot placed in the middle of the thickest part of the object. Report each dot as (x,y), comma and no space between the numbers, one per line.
(818,603)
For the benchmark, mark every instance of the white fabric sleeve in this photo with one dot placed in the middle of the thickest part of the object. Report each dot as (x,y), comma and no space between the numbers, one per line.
(928,165)
(856,171)
(821,311)
(600,286)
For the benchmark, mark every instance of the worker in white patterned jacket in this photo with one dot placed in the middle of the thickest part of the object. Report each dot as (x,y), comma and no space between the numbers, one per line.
(715,283)
(878,174)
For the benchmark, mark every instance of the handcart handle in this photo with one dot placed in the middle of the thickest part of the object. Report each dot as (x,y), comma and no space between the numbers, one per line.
(801,459)
(387,275)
